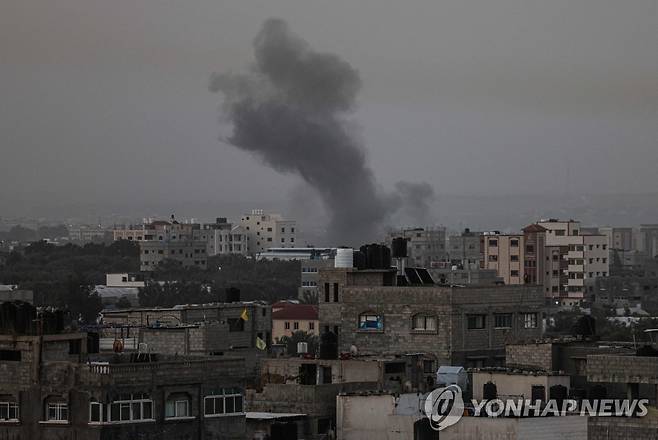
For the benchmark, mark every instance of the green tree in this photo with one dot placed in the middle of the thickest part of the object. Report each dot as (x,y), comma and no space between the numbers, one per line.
(300,336)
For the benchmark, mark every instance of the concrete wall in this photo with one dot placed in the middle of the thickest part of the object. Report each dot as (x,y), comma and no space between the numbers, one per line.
(515,384)
(371,417)
(622,369)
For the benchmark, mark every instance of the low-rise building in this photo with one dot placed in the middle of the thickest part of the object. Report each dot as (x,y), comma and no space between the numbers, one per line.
(426,247)
(288,318)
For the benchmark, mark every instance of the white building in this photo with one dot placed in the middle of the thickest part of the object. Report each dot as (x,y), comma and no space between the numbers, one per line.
(574,259)
(265,231)
(224,238)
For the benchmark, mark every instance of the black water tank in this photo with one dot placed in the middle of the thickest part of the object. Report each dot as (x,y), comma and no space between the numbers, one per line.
(558,393)
(585,326)
(328,345)
(399,246)
(359,260)
(489,391)
(232,294)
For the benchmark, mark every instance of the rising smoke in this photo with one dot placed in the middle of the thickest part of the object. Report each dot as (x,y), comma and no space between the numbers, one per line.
(291,111)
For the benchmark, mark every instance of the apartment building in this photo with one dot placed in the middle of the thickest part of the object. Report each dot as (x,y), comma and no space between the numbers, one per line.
(265,231)
(426,247)
(288,318)
(575,259)
(619,239)
(88,234)
(505,254)
(224,238)
(464,250)
(648,240)
(184,243)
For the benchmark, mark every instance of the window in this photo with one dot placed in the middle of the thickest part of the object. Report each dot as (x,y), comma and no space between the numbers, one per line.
(369,321)
(57,412)
(96,412)
(475,322)
(177,406)
(10,355)
(559,232)
(326,292)
(295,325)
(286,325)
(514,243)
(311,325)
(530,249)
(225,401)
(424,323)
(8,409)
(514,258)
(428,366)
(530,320)
(335,292)
(235,325)
(493,257)
(131,407)
(503,320)
(493,243)
(514,273)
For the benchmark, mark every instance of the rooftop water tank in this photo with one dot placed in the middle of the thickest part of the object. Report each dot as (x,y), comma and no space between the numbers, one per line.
(344,257)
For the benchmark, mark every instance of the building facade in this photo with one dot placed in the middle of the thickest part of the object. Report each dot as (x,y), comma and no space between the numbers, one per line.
(184,243)
(505,254)
(426,247)
(464,250)
(268,230)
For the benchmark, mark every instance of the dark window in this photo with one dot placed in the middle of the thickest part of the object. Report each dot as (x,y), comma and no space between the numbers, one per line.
(395,368)
(10,355)
(503,320)
(476,321)
(335,292)
(326,292)
(235,325)
(75,347)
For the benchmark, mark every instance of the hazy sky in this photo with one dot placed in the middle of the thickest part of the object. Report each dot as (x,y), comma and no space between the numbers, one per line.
(108,102)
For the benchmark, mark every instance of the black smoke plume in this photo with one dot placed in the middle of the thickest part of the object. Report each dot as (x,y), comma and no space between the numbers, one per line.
(291,111)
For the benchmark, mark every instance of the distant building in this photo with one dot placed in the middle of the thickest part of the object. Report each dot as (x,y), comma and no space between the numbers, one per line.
(648,240)
(224,238)
(464,249)
(426,247)
(268,230)
(89,234)
(11,292)
(619,239)
(506,255)
(454,275)
(288,318)
(184,243)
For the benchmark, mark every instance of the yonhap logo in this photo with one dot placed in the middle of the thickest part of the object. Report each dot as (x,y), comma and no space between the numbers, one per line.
(444,407)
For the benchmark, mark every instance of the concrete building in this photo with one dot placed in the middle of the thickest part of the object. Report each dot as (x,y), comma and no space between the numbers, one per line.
(573,260)
(648,240)
(464,250)
(505,254)
(224,238)
(217,328)
(89,234)
(57,386)
(268,230)
(620,239)
(518,384)
(288,318)
(426,247)
(455,326)
(454,275)
(184,243)
(11,292)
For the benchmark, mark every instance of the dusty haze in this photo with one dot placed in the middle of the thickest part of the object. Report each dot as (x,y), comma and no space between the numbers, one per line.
(105,104)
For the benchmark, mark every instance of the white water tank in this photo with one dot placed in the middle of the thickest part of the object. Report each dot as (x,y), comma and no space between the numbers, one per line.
(344,257)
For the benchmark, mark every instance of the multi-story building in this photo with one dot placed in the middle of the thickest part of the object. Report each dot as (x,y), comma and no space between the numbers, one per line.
(426,247)
(55,385)
(268,230)
(464,250)
(573,259)
(534,237)
(648,240)
(184,243)
(224,238)
(88,234)
(619,239)
(466,326)
(505,254)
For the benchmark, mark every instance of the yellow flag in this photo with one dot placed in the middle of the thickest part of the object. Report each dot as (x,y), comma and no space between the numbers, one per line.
(244,316)
(260,344)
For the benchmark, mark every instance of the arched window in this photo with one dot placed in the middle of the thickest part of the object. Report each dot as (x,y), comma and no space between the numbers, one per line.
(8,408)
(370,321)
(424,322)
(177,406)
